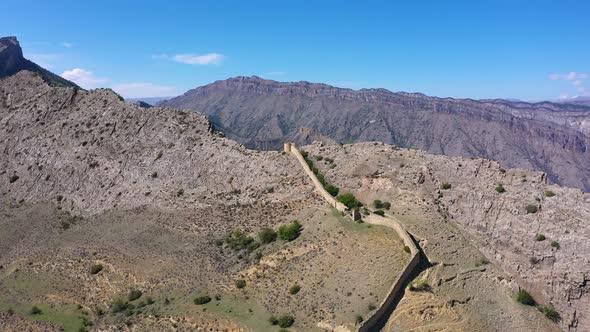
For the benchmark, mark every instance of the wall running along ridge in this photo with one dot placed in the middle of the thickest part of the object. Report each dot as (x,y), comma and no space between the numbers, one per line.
(381,314)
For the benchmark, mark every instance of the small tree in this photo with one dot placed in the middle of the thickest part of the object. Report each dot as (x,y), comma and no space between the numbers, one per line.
(349,200)
(286,321)
(551,313)
(445,186)
(540,237)
(555,244)
(359,319)
(549,193)
(377,204)
(241,283)
(379,213)
(500,188)
(525,298)
(331,189)
(386,205)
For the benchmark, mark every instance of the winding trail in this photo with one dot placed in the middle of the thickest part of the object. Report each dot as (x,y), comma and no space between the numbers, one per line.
(379,318)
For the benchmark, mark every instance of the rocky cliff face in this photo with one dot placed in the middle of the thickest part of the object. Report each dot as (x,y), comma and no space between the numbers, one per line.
(12,61)
(262,114)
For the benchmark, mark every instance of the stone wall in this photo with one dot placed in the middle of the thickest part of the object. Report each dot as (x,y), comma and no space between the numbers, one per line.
(290,147)
(381,315)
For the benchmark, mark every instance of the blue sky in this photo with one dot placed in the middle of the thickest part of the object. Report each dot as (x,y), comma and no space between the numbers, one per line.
(478,49)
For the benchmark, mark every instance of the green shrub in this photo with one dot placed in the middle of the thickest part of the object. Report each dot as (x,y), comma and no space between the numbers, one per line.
(349,200)
(331,189)
(319,158)
(237,240)
(134,295)
(372,307)
(525,298)
(286,321)
(94,269)
(549,193)
(241,283)
(445,186)
(359,319)
(407,249)
(386,205)
(290,232)
(202,300)
(531,208)
(294,289)
(273,320)
(500,188)
(379,213)
(502,170)
(35,310)
(551,313)
(555,244)
(418,285)
(366,211)
(377,204)
(540,237)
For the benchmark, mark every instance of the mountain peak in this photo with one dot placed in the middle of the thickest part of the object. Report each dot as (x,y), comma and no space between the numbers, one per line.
(12,61)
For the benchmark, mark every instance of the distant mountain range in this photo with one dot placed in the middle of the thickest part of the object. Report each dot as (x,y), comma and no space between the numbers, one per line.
(12,61)
(259,113)
(149,100)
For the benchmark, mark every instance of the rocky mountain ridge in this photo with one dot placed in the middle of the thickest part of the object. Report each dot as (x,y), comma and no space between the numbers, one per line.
(260,113)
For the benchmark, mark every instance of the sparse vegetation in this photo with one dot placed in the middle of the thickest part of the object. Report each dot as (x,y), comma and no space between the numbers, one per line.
(331,189)
(371,307)
(349,200)
(525,298)
(237,240)
(407,249)
(290,232)
(386,205)
(445,186)
(241,283)
(202,300)
(377,204)
(555,244)
(481,262)
(294,289)
(119,305)
(359,319)
(531,208)
(551,313)
(549,193)
(273,320)
(286,321)
(540,237)
(96,268)
(500,188)
(379,213)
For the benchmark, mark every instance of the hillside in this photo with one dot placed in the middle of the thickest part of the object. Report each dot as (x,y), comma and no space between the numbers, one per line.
(12,61)
(258,113)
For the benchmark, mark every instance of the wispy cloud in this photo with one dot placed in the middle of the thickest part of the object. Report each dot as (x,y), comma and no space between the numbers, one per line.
(196,59)
(83,78)
(569,76)
(141,89)
(67,45)
(577,80)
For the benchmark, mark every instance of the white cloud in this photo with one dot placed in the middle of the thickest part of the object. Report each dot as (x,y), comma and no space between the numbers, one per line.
(139,90)
(67,45)
(194,59)
(83,78)
(569,76)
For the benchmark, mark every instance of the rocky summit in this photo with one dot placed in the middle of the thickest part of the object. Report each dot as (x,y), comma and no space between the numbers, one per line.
(12,61)
(550,137)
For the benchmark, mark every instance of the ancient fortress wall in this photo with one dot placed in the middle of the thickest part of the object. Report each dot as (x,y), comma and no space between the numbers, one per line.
(290,147)
(380,316)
